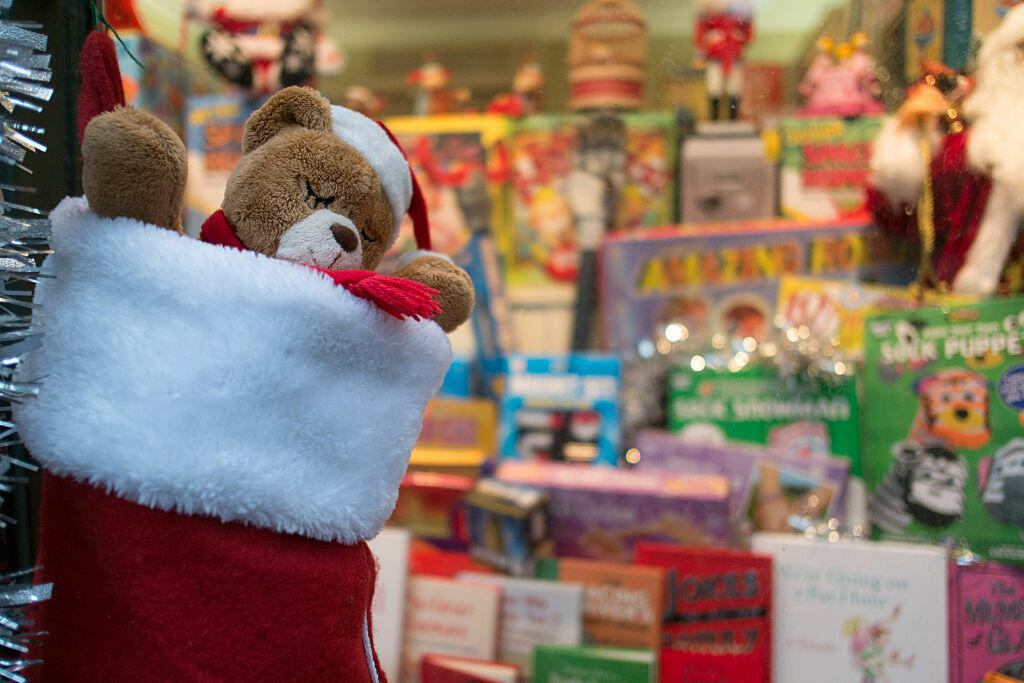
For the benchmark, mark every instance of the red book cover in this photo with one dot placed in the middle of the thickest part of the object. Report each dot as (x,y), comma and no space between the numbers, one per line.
(718,614)
(445,669)
(426,559)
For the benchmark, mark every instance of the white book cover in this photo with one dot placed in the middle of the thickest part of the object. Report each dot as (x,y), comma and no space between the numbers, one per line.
(535,613)
(448,617)
(851,612)
(391,548)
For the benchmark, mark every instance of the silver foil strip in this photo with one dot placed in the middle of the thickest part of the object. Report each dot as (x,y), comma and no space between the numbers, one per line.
(12,33)
(25,595)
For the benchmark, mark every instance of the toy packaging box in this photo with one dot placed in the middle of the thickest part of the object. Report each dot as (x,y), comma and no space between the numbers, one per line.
(508,525)
(985,621)
(833,308)
(726,178)
(714,278)
(459,163)
(544,151)
(851,612)
(943,435)
(561,408)
(758,406)
(825,165)
(718,616)
(601,513)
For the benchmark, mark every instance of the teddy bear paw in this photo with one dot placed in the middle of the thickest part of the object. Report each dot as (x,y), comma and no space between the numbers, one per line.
(455,288)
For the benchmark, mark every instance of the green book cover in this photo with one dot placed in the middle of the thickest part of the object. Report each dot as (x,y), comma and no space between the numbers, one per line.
(554,664)
(755,404)
(943,435)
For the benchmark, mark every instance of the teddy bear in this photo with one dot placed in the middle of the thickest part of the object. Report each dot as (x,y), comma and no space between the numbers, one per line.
(224,422)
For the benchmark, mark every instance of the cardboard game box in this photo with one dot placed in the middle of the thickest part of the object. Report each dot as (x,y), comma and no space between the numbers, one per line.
(718,616)
(561,408)
(986,632)
(602,512)
(943,435)
(856,611)
(825,165)
(714,278)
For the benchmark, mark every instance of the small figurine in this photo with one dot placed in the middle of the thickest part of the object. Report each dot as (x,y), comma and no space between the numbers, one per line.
(361,99)
(841,80)
(524,99)
(433,95)
(263,46)
(724,29)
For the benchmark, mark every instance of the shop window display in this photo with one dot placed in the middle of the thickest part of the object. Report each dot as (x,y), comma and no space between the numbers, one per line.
(425,342)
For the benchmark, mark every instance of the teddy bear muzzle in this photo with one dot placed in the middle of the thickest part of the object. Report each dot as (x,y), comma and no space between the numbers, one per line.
(324,239)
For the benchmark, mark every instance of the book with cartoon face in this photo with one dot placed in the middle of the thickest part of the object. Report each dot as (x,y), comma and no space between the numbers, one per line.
(856,610)
(986,631)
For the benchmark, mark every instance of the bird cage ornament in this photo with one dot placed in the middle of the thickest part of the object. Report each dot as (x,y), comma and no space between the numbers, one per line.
(607,56)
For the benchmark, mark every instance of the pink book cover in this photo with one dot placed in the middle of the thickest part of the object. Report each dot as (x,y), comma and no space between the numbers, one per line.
(986,621)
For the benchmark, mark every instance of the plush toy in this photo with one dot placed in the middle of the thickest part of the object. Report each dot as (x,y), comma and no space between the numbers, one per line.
(841,80)
(433,96)
(225,421)
(967,176)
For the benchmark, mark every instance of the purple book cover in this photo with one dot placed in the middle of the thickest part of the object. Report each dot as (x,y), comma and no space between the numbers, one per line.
(601,512)
(986,621)
(714,278)
(666,452)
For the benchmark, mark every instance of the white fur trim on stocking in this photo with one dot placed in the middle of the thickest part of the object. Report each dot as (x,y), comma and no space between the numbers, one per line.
(367,137)
(897,168)
(210,381)
(984,261)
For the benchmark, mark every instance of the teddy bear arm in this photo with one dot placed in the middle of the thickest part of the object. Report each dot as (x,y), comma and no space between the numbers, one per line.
(135,166)
(455,288)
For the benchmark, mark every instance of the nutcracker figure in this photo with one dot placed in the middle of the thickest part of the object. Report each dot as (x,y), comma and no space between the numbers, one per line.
(723,31)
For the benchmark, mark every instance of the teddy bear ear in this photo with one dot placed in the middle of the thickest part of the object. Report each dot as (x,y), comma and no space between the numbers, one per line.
(292,106)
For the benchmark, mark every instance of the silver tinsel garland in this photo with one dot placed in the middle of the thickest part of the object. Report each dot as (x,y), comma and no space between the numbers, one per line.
(24,85)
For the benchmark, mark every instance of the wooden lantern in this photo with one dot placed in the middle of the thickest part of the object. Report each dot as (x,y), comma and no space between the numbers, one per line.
(607,56)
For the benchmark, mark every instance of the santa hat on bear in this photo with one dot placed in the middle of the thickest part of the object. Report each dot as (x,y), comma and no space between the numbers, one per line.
(378,146)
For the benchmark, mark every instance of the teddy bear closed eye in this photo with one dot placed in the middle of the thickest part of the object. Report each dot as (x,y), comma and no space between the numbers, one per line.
(316,184)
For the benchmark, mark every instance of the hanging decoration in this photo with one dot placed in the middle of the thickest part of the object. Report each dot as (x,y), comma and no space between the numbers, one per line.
(607,56)
(24,85)
(265,46)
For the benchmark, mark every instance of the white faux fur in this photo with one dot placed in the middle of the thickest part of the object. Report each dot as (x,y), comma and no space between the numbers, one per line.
(311,241)
(197,378)
(897,167)
(986,257)
(370,140)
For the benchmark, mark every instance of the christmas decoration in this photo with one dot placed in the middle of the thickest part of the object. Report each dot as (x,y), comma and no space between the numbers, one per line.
(951,180)
(266,44)
(841,80)
(24,84)
(607,56)
(524,99)
(723,31)
(212,390)
(433,96)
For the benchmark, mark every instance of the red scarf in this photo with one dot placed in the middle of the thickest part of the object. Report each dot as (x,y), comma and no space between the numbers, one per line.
(395,296)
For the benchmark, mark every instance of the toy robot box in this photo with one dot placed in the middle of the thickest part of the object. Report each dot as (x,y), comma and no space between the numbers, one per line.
(943,438)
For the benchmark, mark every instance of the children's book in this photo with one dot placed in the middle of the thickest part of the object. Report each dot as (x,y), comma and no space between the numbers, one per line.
(443,616)
(444,669)
(856,610)
(718,616)
(943,427)
(622,603)
(391,550)
(534,613)
(986,621)
(555,664)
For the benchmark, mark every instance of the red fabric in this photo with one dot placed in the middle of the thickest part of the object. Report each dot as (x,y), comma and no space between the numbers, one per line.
(395,296)
(961,194)
(102,88)
(722,37)
(147,595)
(418,205)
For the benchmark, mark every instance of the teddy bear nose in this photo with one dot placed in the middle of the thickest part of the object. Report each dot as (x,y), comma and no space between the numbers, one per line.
(345,237)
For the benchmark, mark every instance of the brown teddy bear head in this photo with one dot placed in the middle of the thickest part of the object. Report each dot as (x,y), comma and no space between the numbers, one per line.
(301,193)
